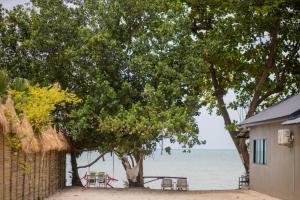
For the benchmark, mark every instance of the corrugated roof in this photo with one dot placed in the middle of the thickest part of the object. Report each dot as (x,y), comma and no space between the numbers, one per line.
(292,121)
(282,109)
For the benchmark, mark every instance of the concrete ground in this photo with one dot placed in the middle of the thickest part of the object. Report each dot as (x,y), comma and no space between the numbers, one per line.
(76,193)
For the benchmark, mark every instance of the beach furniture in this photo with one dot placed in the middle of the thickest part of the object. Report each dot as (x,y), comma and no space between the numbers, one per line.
(91,179)
(167,183)
(109,181)
(101,179)
(244,180)
(182,184)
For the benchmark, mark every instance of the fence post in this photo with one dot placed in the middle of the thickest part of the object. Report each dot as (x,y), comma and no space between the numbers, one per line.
(2,183)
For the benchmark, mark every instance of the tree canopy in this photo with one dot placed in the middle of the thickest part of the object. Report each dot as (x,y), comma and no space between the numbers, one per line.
(129,62)
(250,48)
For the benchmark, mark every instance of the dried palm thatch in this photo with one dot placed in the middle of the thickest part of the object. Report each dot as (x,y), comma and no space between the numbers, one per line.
(29,142)
(48,140)
(64,141)
(11,115)
(4,124)
(51,140)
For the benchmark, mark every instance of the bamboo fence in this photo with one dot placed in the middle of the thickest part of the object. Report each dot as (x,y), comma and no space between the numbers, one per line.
(38,168)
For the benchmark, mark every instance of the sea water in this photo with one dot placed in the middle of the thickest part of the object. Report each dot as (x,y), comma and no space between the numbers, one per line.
(205,169)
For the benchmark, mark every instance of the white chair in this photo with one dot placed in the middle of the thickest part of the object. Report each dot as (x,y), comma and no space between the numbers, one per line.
(166,183)
(91,179)
(101,178)
(182,184)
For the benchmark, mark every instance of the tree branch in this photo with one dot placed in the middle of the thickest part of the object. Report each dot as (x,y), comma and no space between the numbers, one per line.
(132,161)
(135,25)
(277,89)
(90,164)
(267,68)
(219,93)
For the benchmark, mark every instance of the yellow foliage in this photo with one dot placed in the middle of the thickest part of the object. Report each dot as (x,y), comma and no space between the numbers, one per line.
(37,103)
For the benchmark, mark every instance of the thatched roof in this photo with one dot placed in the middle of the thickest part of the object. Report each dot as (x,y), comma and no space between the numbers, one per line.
(11,124)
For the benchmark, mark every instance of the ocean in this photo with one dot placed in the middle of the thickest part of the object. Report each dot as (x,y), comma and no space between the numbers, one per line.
(205,169)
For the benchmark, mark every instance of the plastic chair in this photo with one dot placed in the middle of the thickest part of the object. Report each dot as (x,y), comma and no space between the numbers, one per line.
(166,183)
(91,179)
(101,178)
(182,184)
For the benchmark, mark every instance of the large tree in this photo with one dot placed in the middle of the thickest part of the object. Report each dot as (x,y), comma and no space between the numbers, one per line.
(145,88)
(130,62)
(37,43)
(250,48)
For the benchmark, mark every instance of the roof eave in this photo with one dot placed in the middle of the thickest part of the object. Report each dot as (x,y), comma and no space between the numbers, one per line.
(269,121)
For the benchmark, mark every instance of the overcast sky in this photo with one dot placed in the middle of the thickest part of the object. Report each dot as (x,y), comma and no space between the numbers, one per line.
(11,3)
(211,126)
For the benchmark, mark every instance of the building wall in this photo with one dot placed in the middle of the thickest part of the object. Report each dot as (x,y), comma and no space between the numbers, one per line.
(297,162)
(280,177)
(30,176)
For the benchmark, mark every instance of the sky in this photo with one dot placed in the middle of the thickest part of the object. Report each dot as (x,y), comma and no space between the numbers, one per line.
(8,4)
(211,126)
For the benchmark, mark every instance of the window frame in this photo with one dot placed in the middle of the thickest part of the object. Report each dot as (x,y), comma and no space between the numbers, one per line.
(260,151)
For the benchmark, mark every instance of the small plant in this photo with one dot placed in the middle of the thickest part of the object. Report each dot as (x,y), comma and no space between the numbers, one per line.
(8,115)
(14,142)
(4,81)
(26,167)
(20,84)
(232,127)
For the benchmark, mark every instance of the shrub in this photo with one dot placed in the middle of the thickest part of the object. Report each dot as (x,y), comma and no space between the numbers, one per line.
(37,103)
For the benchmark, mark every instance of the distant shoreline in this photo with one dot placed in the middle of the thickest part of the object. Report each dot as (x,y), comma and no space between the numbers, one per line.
(200,166)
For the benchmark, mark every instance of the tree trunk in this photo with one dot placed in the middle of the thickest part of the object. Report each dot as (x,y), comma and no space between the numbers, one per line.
(244,154)
(240,143)
(140,180)
(258,97)
(241,146)
(270,62)
(75,176)
(134,173)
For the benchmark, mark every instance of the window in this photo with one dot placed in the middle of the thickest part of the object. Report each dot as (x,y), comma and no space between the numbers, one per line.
(259,151)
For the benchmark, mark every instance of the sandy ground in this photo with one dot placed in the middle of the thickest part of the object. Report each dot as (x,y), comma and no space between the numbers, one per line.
(76,193)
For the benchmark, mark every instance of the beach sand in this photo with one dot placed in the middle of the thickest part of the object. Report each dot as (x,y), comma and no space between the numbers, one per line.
(76,193)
